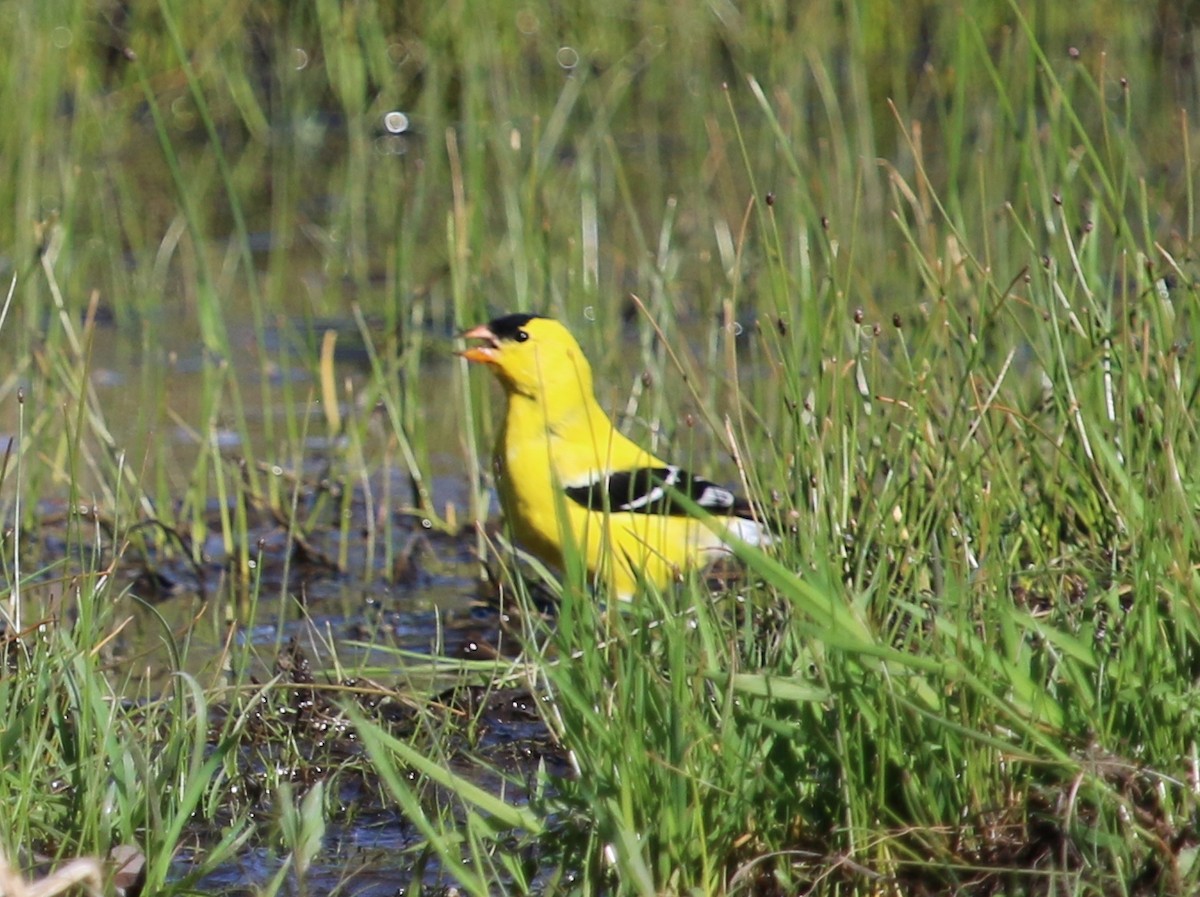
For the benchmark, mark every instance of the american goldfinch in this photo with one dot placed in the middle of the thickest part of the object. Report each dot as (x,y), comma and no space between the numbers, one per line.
(567,477)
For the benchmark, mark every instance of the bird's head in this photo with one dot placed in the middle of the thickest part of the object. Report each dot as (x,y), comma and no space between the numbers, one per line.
(534,357)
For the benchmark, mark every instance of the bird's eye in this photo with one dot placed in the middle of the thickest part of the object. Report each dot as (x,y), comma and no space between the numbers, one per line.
(522,336)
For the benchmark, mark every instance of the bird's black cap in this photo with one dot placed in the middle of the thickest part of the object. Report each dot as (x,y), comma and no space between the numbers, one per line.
(509,326)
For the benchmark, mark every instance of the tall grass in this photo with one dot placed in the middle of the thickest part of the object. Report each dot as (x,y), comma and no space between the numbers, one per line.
(919,276)
(941,679)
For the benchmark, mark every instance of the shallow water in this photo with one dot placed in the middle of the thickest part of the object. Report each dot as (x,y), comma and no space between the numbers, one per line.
(360,599)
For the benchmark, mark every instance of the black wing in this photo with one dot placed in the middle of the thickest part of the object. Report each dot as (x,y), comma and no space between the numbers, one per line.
(649,490)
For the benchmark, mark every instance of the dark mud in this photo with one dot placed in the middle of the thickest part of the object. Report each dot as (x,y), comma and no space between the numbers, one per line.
(324,635)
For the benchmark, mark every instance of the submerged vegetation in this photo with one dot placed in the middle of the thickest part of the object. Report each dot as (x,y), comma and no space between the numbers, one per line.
(921,277)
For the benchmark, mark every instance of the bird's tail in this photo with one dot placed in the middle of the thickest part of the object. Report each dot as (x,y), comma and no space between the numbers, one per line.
(752,532)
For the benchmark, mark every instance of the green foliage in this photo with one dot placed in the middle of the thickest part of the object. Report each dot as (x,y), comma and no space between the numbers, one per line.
(921,276)
(88,769)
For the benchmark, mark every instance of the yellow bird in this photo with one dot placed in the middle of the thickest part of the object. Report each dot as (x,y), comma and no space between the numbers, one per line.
(566,476)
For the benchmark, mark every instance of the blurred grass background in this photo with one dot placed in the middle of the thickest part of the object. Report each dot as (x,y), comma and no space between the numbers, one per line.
(223,177)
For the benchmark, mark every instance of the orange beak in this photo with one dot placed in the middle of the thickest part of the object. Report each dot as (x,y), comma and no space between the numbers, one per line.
(485,354)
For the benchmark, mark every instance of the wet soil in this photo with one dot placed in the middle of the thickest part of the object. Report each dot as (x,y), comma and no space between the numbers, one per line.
(326,634)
